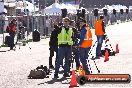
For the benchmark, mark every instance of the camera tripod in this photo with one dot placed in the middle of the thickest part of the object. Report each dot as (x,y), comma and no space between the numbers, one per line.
(21,37)
(107,43)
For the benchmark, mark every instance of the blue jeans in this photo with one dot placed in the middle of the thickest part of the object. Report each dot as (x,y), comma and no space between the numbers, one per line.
(63,52)
(83,58)
(99,45)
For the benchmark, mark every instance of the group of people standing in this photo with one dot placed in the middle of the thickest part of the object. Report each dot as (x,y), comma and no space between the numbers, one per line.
(67,39)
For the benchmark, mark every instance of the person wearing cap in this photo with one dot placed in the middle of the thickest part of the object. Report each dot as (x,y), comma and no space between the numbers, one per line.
(85,44)
(99,32)
(75,38)
(12,32)
(64,48)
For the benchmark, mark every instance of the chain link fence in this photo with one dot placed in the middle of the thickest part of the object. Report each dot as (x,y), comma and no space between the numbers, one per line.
(45,24)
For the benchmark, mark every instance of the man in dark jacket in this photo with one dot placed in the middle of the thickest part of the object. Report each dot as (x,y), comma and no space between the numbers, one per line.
(53,43)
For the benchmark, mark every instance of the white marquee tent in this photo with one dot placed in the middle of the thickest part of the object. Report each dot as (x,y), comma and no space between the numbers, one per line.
(116,7)
(56,9)
(53,9)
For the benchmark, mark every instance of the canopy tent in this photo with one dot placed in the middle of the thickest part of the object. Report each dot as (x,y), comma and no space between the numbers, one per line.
(109,8)
(71,9)
(116,7)
(55,9)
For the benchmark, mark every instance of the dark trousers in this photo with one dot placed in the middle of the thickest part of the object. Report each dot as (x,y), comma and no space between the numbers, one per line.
(12,36)
(52,50)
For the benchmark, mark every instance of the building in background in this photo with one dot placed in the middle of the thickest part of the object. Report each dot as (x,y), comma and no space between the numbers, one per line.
(10,6)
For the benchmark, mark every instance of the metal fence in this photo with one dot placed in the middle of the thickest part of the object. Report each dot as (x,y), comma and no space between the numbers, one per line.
(45,27)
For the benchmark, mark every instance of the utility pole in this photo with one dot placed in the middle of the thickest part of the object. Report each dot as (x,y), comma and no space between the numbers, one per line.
(27,15)
(45,1)
(33,18)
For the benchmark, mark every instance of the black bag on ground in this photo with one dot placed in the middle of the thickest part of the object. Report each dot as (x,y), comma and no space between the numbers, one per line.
(44,68)
(36,36)
(39,73)
(7,40)
(111,53)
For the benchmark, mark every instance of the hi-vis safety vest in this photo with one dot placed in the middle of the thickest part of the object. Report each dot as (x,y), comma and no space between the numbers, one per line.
(65,38)
(99,28)
(87,39)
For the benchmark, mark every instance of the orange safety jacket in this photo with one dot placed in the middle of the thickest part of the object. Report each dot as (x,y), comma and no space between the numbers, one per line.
(87,39)
(99,28)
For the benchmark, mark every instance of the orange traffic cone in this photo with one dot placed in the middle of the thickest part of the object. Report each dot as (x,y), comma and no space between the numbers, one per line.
(117,49)
(73,82)
(106,56)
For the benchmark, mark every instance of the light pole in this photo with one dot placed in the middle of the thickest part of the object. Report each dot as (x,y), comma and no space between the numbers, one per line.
(2,20)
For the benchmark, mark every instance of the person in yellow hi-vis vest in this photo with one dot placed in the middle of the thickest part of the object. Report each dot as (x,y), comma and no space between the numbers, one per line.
(64,50)
(85,44)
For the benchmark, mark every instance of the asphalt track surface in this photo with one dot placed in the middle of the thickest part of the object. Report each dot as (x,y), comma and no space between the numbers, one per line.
(16,65)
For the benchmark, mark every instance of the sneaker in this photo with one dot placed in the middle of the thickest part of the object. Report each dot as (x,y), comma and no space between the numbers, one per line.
(51,66)
(56,76)
(100,55)
(66,75)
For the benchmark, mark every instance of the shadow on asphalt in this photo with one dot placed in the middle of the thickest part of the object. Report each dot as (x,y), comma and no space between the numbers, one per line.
(2,51)
(53,80)
(5,50)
